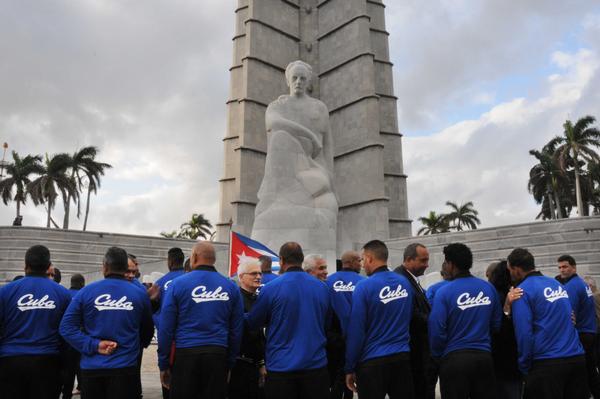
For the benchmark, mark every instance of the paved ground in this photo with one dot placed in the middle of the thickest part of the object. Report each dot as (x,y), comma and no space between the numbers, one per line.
(150,375)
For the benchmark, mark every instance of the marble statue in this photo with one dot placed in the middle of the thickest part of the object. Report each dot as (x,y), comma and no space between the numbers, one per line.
(296,200)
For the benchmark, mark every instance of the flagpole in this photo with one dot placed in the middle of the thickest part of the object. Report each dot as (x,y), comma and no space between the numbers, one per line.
(230,238)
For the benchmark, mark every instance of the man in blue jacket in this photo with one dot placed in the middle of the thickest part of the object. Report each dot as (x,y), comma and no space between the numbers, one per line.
(203,313)
(175,259)
(377,353)
(108,322)
(341,286)
(294,308)
(582,302)
(550,354)
(30,313)
(464,313)
(265,266)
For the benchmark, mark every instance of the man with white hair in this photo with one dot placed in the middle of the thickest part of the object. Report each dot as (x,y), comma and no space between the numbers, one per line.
(248,373)
(316,266)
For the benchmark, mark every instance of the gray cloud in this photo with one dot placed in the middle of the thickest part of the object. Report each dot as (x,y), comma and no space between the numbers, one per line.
(147,82)
(445,51)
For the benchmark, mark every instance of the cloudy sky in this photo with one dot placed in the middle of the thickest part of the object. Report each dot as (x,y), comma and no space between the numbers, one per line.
(479,84)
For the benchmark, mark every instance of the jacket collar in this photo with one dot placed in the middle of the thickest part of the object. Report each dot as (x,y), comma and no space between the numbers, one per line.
(380,269)
(347,269)
(534,273)
(565,280)
(294,269)
(206,268)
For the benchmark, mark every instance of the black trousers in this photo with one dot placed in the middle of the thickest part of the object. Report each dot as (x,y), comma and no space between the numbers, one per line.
(467,374)
(29,377)
(199,373)
(313,384)
(243,383)
(336,356)
(389,375)
(563,378)
(109,383)
(588,340)
(69,369)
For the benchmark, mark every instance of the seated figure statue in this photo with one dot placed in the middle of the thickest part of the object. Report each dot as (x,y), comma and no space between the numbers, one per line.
(296,200)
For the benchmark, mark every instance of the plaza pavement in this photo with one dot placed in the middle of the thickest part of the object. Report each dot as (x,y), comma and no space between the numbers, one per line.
(151,377)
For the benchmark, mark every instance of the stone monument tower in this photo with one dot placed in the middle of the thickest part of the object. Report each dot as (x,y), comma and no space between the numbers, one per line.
(346,43)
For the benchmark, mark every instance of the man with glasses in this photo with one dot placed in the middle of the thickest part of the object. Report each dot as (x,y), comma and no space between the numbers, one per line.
(248,374)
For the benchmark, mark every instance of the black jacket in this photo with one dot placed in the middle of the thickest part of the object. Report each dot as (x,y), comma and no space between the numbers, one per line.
(253,341)
(419,340)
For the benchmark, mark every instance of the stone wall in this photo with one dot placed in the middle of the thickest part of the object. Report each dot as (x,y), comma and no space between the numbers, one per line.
(82,252)
(579,237)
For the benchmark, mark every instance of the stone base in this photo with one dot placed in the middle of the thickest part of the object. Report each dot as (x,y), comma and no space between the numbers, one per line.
(82,252)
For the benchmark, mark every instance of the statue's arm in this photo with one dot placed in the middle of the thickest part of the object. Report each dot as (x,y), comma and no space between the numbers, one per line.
(275,121)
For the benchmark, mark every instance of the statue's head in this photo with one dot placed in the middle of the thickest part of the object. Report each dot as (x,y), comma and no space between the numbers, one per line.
(298,75)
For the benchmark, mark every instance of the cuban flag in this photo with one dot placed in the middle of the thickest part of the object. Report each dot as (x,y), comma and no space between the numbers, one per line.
(242,247)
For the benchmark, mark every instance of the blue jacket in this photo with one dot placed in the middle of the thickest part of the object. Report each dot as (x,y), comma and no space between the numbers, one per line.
(430,293)
(163,284)
(201,308)
(111,309)
(268,277)
(582,302)
(380,318)
(542,320)
(30,312)
(464,313)
(341,286)
(295,309)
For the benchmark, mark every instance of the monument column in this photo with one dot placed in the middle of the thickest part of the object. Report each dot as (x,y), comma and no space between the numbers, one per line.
(346,43)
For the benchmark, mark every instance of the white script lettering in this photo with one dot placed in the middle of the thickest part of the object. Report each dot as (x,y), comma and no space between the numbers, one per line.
(552,295)
(200,294)
(339,286)
(387,295)
(26,302)
(464,300)
(105,302)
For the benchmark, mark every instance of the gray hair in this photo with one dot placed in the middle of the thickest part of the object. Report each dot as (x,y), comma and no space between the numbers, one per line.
(293,65)
(591,282)
(310,262)
(245,265)
(410,252)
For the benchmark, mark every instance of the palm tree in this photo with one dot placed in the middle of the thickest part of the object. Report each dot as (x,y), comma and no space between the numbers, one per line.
(19,172)
(52,181)
(594,174)
(173,234)
(463,215)
(577,142)
(547,180)
(198,226)
(433,224)
(84,167)
(79,160)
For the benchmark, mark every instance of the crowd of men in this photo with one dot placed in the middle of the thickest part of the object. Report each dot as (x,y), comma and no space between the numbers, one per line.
(303,334)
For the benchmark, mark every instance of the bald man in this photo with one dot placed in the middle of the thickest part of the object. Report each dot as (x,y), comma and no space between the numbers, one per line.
(341,286)
(294,307)
(203,313)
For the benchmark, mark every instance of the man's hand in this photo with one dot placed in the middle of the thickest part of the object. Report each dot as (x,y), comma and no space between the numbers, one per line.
(514,294)
(106,347)
(262,375)
(154,292)
(351,382)
(165,378)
